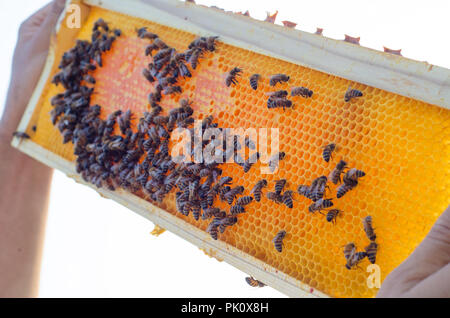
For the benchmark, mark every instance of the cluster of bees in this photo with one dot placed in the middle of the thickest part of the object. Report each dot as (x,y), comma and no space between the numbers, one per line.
(139,161)
(352,256)
(168,65)
(278,99)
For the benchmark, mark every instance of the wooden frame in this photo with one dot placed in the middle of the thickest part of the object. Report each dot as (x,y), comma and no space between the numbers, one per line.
(392,73)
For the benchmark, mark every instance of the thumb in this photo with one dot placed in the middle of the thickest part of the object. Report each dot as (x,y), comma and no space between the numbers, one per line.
(432,255)
(52,13)
(435,248)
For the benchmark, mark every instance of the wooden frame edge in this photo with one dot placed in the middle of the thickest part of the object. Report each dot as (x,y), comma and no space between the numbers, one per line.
(392,73)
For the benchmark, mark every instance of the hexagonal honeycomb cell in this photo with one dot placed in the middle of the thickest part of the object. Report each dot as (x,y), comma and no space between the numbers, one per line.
(401,144)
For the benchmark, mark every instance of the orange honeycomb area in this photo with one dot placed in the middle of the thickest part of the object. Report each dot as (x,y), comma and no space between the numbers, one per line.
(402,144)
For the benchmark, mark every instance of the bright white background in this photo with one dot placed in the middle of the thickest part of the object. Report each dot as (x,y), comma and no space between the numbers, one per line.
(97,248)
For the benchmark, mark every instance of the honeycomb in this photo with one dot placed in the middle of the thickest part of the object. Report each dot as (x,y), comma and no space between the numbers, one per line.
(402,144)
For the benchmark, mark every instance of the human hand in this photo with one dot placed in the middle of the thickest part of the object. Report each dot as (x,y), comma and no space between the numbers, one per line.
(29,58)
(426,272)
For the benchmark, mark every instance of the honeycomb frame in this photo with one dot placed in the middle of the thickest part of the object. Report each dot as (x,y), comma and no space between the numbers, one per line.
(239,256)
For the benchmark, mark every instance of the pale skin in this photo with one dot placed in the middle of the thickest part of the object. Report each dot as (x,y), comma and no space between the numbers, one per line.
(25,187)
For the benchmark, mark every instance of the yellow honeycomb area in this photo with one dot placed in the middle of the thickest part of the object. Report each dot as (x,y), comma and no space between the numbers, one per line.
(402,144)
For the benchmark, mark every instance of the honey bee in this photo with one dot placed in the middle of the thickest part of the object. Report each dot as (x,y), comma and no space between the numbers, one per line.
(199,42)
(193,57)
(161,44)
(320,205)
(354,174)
(275,159)
(254,81)
(184,71)
(257,189)
(249,143)
(278,94)
(147,75)
(224,181)
(231,195)
(354,259)
(244,200)
(349,250)
(227,221)
(275,197)
(193,186)
(367,223)
(167,81)
(279,185)
(332,215)
(100,23)
(250,161)
(287,198)
(211,43)
(186,122)
(207,122)
(144,34)
(304,190)
(344,188)
(352,93)
(21,135)
(317,189)
(278,78)
(237,209)
(253,282)
(172,90)
(89,79)
(223,192)
(278,102)
(196,210)
(278,240)
(125,121)
(371,251)
(212,228)
(185,103)
(335,175)
(210,212)
(327,151)
(301,91)
(150,48)
(350,181)
(164,53)
(231,77)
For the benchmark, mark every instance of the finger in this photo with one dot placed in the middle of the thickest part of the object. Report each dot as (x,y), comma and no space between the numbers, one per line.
(57,7)
(36,19)
(435,248)
(435,285)
(48,19)
(429,257)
